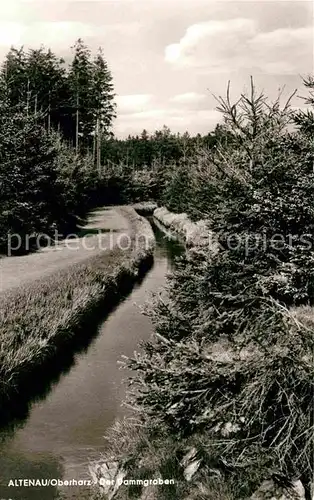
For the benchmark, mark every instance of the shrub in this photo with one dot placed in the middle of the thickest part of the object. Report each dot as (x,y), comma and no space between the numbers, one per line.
(30,192)
(45,186)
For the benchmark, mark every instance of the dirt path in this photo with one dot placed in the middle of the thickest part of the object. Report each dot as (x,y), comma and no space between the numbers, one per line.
(101,233)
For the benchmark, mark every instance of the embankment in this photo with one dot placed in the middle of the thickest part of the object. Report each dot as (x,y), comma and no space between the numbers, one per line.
(195,234)
(43,318)
(145,208)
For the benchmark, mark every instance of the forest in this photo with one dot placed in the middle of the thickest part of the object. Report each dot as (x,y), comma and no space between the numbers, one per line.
(58,151)
(247,417)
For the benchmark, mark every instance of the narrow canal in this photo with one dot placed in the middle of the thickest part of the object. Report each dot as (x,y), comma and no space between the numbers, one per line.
(65,429)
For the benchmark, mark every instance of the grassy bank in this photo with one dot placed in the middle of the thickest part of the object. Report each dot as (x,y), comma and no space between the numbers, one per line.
(196,236)
(38,320)
(194,233)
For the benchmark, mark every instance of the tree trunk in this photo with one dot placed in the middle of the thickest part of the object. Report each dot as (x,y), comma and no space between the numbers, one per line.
(98,151)
(49,118)
(77,124)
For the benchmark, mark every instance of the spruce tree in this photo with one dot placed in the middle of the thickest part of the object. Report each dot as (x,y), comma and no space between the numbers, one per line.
(47,82)
(103,92)
(36,81)
(102,102)
(80,80)
(14,76)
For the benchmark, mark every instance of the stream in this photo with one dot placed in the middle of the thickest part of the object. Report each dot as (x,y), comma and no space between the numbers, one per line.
(64,429)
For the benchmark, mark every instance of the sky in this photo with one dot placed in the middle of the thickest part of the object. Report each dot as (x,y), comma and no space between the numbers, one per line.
(169,58)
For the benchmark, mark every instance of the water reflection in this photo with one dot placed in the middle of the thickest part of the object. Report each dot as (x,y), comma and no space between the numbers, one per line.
(168,245)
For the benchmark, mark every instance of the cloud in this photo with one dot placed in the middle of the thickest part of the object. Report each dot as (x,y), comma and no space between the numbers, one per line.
(177,119)
(284,50)
(209,42)
(143,115)
(57,33)
(9,9)
(188,98)
(11,33)
(132,103)
(237,44)
(127,29)
(52,34)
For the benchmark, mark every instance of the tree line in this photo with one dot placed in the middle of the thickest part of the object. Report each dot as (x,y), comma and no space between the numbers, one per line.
(52,119)
(145,149)
(76,100)
(59,156)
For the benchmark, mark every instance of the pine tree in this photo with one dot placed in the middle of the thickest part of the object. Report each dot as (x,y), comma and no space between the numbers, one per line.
(145,148)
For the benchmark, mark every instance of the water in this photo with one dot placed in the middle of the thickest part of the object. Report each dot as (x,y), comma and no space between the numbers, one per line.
(65,429)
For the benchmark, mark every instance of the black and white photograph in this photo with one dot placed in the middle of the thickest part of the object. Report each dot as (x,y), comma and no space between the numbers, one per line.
(156,250)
